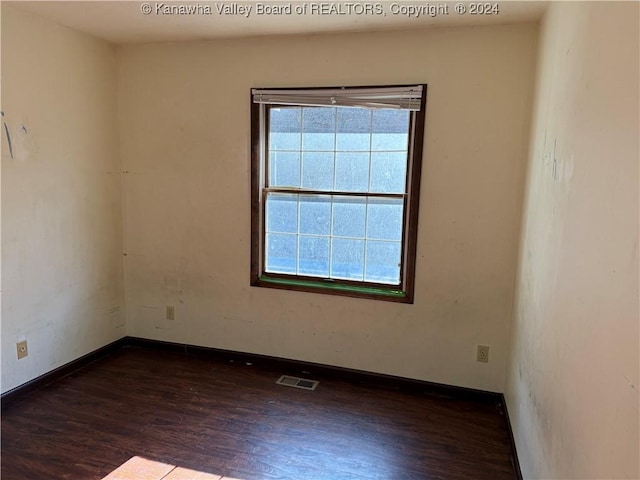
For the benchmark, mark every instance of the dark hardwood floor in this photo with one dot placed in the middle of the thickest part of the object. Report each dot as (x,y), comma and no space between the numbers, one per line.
(231,419)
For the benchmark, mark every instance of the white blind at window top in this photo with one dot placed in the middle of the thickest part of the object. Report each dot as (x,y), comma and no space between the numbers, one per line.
(405,97)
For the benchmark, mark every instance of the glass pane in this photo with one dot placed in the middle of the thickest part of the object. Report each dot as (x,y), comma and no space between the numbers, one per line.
(354,129)
(318,128)
(315,215)
(352,172)
(317,171)
(349,217)
(284,169)
(345,149)
(281,253)
(282,213)
(347,259)
(284,128)
(314,256)
(390,130)
(384,219)
(383,262)
(388,172)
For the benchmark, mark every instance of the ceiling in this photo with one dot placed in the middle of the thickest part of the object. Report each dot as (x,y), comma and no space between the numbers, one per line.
(124,22)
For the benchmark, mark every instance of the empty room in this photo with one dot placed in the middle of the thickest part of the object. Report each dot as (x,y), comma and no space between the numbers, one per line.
(320,240)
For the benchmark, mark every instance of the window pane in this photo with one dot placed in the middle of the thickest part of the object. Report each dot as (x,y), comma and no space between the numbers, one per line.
(354,129)
(314,256)
(390,130)
(382,262)
(317,171)
(319,128)
(384,219)
(352,172)
(347,259)
(349,217)
(281,253)
(282,213)
(388,172)
(284,128)
(315,215)
(284,169)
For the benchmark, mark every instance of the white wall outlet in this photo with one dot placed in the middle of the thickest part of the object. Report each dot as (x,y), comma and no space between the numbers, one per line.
(22,349)
(171,312)
(482,354)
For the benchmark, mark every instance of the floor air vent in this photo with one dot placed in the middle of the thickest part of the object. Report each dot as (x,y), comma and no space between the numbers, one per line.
(297,382)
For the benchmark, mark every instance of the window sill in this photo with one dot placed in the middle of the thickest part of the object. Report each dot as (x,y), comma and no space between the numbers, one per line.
(331,288)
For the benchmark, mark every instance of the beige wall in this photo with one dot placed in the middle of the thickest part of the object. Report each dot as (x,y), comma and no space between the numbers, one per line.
(185,132)
(573,383)
(61,196)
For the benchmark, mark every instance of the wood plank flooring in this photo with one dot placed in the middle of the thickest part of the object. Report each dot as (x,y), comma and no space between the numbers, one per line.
(231,419)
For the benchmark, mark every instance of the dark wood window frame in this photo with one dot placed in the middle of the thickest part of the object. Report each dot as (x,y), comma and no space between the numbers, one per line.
(404,292)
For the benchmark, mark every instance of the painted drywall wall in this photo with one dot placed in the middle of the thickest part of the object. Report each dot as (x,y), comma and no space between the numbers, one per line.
(61,196)
(573,384)
(185,133)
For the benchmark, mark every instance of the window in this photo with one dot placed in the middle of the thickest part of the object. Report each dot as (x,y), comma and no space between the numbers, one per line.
(335,187)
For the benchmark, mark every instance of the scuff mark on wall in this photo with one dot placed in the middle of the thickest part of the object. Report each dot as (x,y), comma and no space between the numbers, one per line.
(8,136)
(629,382)
(555,160)
(235,319)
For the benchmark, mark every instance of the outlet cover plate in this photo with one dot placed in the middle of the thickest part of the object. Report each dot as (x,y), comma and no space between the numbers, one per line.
(22,349)
(482,354)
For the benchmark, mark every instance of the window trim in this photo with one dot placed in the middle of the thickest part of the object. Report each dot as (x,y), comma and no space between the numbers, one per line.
(404,293)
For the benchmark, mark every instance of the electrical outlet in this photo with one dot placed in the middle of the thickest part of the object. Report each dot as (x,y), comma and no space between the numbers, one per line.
(22,349)
(483,354)
(171,312)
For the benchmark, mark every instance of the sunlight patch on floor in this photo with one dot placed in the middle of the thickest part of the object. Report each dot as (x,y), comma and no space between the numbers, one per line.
(138,468)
